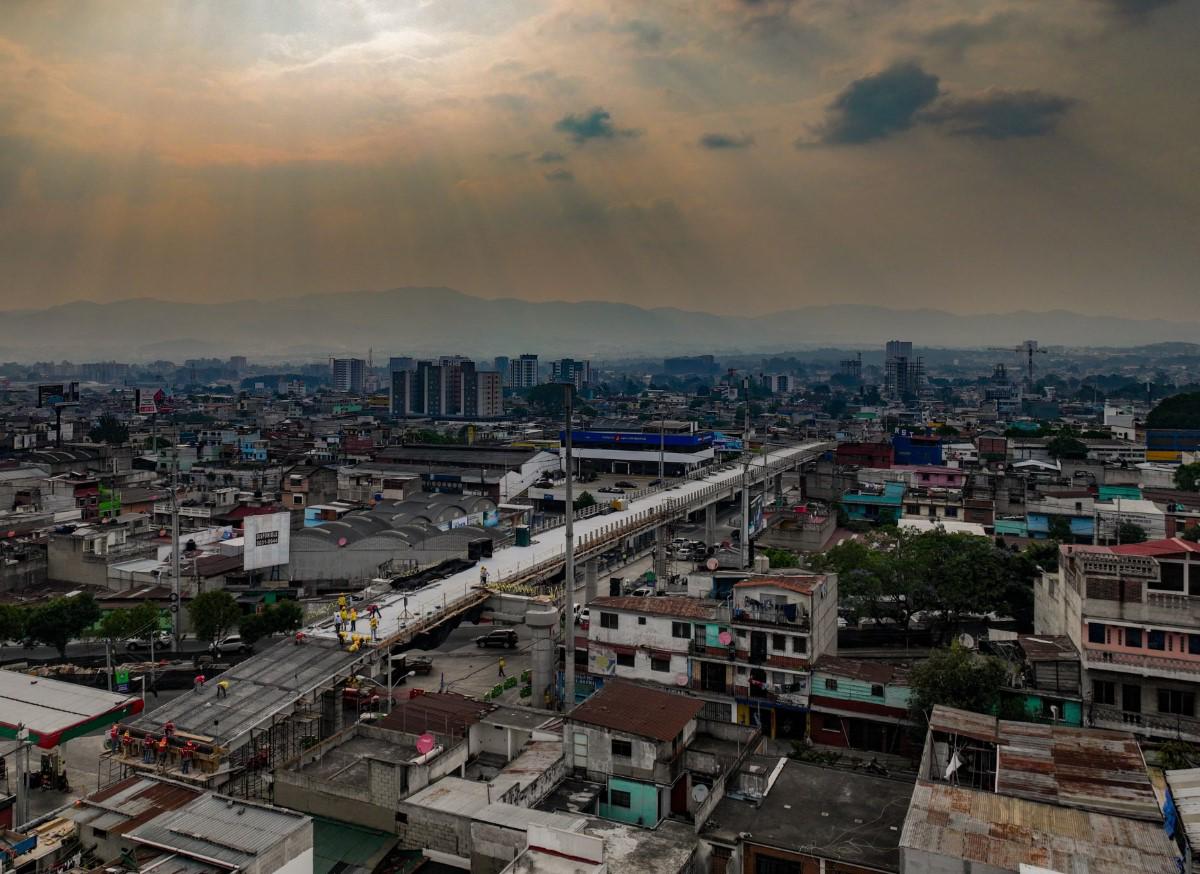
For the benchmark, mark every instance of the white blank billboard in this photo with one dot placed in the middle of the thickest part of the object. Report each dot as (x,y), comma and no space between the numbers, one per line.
(268,540)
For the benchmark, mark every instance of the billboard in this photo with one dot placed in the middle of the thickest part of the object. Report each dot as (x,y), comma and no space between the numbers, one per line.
(56,393)
(145,402)
(268,540)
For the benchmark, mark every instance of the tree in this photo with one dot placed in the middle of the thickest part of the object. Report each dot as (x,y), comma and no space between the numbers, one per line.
(1060,529)
(61,620)
(1128,532)
(1180,411)
(780,558)
(214,615)
(140,621)
(551,396)
(947,431)
(12,622)
(1067,447)
(584,501)
(108,429)
(1187,477)
(1191,532)
(956,677)
(254,626)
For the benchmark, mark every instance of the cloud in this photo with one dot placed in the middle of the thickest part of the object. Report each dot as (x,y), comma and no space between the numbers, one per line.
(595,124)
(955,37)
(645,34)
(997,114)
(510,102)
(562,174)
(718,141)
(877,105)
(1135,11)
(550,158)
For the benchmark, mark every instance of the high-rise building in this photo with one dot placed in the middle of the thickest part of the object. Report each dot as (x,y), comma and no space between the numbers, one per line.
(349,374)
(501,366)
(237,363)
(903,374)
(450,388)
(569,370)
(402,362)
(523,371)
(489,403)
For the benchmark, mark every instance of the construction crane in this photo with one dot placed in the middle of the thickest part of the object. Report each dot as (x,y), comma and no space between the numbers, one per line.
(1025,352)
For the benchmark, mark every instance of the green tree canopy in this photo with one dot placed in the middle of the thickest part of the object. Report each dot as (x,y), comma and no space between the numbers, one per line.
(550,397)
(1060,529)
(780,558)
(584,501)
(1128,532)
(1187,477)
(140,621)
(12,622)
(108,429)
(956,677)
(61,620)
(1063,446)
(1179,411)
(1191,532)
(214,615)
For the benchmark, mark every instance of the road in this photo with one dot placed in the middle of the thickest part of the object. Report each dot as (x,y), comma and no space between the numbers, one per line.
(86,649)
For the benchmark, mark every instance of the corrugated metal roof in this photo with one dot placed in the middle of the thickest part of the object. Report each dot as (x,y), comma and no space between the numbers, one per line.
(48,706)
(127,804)
(1185,789)
(681,608)
(978,726)
(222,829)
(633,709)
(1005,832)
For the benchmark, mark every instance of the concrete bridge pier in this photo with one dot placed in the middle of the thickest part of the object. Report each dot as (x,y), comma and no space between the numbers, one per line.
(662,555)
(591,581)
(710,524)
(542,620)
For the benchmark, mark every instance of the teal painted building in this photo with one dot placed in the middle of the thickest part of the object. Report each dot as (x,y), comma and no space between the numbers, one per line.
(865,505)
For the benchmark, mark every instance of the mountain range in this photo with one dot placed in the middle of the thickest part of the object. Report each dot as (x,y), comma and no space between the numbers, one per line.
(429,321)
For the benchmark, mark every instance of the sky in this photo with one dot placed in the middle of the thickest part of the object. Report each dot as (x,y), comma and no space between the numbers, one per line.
(733,156)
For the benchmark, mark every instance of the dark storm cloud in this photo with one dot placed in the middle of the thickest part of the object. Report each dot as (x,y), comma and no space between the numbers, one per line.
(1135,11)
(560,175)
(717,141)
(875,106)
(1000,115)
(550,158)
(595,124)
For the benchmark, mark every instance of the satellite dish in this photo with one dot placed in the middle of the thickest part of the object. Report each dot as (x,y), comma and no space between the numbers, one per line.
(725,637)
(712,564)
(342,541)
(967,641)
(681,679)
(227,534)
(12,534)
(425,743)
(699,793)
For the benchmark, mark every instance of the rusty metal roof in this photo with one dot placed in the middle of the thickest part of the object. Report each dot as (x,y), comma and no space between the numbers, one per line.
(1085,768)
(867,671)
(1048,647)
(633,709)
(801,585)
(1185,789)
(1004,833)
(680,608)
(127,804)
(978,726)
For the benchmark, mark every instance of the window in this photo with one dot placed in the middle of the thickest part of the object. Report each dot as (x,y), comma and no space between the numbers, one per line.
(831,685)
(800,644)
(741,632)
(1156,640)
(641,620)
(622,749)
(1193,644)
(1133,637)
(659,664)
(625,659)
(608,620)
(951,512)
(779,642)
(681,629)
(1104,692)
(1096,632)
(912,509)
(1177,702)
(620,798)
(297,500)
(877,690)
(581,656)
(1170,577)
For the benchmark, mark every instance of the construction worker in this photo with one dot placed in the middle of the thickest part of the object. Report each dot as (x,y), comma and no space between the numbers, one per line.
(342,603)
(337,623)
(114,737)
(127,743)
(164,746)
(345,614)
(356,642)
(198,683)
(169,729)
(502,667)
(374,627)
(222,688)
(186,755)
(148,749)
(482,575)
(353,618)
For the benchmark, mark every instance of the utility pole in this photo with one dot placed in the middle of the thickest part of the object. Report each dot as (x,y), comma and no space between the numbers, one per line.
(175,602)
(569,565)
(108,667)
(662,442)
(746,513)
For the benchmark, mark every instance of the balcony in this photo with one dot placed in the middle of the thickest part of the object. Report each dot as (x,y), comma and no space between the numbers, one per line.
(1159,608)
(794,616)
(720,651)
(1160,725)
(1142,665)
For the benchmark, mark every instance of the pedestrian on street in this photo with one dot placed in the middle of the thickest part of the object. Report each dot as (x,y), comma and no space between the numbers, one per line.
(502,666)
(185,756)
(223,689)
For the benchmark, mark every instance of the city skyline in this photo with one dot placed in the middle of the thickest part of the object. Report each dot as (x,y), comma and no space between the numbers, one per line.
(736,157)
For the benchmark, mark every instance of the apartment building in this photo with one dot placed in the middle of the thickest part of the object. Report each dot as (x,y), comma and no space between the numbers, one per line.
(450,388)
(1133,612)
(348,374)
(578,373)
(523,371)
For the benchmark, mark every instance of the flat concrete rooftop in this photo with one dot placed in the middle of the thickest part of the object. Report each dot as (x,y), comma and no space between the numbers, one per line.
(347,762)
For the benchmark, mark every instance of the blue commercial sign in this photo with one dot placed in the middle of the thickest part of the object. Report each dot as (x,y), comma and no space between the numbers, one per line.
(638,439)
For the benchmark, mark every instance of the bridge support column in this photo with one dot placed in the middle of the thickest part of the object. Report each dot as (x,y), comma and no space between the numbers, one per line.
(662,555)
(778,485)
(591,575)
(331,713)
(542,620)
(710,524)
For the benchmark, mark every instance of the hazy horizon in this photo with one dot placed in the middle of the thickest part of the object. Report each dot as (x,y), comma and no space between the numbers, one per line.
(738,157)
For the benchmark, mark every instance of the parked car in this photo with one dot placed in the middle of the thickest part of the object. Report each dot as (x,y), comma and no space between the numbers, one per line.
(505,637)
(625,484)
(543,484)
(229,645)
(419,664)
(583,617)
(162,640)
(610,490)
(654,482)
(642,592)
